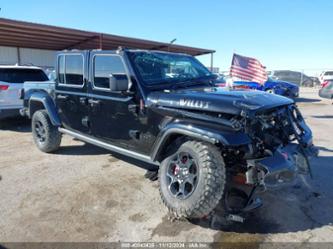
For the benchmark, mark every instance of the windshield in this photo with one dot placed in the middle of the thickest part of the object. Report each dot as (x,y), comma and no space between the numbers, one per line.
(12,75)
(157,68)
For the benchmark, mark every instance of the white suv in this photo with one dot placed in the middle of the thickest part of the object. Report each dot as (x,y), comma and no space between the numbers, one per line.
(326,76)
(11,83)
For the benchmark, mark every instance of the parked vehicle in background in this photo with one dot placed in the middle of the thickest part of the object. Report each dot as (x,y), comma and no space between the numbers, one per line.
(326,90)
(220,77)
(326,76)
(207,144)
(279,87)
(11,84)
(292,76)
(316,81)
(51,74)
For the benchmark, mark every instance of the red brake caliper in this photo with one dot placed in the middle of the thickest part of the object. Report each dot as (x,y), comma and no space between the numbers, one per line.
(176,169)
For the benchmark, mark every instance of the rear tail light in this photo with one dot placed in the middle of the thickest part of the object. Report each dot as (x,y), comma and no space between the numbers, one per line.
(324,84)
(3,87)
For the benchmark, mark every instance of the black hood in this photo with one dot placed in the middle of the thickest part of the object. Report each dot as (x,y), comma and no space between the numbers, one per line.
(218,100)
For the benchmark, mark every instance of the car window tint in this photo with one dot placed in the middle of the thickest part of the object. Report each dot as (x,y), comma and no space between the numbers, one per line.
(19,75)
(106,66)
(74,70)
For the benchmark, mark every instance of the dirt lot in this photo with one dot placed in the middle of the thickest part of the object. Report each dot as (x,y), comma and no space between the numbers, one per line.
(83,193)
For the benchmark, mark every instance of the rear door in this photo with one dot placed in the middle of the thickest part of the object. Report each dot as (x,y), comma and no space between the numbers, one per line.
(71,91)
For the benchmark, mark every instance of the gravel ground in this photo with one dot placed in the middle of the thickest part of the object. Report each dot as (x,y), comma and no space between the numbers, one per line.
(85,194)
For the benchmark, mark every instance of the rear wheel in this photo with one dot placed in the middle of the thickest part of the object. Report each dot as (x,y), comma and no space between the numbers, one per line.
(46,136)
(192,180)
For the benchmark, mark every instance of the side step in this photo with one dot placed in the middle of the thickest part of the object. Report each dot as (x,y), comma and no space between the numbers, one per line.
(107,146)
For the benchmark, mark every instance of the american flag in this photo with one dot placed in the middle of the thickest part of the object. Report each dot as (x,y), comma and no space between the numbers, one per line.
(246,68)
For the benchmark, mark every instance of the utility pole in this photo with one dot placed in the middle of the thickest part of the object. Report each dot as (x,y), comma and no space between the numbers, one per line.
(212,62)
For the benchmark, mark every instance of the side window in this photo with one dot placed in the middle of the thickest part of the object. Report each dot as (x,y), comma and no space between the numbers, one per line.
(106,66)
(70,69)
(61,69)
(74,70)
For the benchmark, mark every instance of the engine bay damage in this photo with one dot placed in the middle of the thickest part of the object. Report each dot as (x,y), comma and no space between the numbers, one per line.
(280,151)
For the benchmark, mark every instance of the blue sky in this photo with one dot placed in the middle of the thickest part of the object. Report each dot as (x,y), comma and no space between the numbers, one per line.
(284,34)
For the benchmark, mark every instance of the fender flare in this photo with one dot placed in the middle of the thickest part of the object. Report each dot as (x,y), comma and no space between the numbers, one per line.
(225,138)
(48,103)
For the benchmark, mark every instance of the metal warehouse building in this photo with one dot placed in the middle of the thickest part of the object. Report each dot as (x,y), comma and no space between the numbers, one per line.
(26,56)
(28,43)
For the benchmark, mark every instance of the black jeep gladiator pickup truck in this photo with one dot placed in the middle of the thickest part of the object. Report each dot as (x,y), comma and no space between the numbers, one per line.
(208,144)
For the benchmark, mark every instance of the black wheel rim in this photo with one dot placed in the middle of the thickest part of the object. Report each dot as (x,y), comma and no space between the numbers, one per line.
(40,132)
(182,175)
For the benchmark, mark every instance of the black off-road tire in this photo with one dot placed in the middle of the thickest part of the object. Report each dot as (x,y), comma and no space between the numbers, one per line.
(210,185)
(52,138)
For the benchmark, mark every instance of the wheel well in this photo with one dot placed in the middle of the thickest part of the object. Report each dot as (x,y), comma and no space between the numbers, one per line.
(171,142)
(35,106)
(165,147)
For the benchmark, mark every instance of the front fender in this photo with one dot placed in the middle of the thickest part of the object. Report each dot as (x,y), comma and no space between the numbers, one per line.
(225,138)
(46,100)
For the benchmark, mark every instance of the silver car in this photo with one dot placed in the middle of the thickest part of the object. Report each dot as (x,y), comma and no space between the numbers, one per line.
(11,84)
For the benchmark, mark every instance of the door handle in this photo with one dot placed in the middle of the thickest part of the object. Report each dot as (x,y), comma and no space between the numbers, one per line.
(62,97)
(94,102)
(133,108)
(83,100)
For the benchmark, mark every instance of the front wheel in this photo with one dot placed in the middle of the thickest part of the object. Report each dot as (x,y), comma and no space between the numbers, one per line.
(192,180)
(46,136)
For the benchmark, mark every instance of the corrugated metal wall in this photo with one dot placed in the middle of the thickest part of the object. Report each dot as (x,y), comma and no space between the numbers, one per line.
(8,55)
(36,57)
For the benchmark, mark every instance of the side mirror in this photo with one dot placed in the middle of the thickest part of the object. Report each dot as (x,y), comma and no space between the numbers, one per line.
(118,83)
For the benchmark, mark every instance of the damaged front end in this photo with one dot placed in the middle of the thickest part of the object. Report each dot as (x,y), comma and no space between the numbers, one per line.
(281,149)
(285,140)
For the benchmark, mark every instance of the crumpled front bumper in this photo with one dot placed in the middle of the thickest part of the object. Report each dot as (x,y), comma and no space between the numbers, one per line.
(285,165)
(286,162)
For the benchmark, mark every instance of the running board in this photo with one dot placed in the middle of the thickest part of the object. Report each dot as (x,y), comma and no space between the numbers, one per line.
(107,146)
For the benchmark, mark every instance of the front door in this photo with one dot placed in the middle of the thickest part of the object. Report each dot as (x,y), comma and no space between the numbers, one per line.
(113,115)
(71,91)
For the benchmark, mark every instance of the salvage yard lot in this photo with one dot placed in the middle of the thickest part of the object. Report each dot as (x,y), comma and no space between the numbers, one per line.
(83,193)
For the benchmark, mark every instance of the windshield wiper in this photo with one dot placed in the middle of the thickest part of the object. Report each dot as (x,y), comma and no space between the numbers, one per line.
(197,81)
(186,84)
